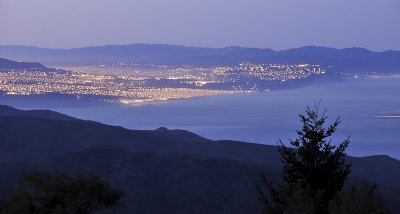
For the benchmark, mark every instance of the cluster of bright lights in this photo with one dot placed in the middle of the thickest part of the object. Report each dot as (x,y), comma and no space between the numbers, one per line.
(123,88)
(132,83)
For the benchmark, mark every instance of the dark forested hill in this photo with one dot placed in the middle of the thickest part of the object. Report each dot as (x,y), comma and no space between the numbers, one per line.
(7,111)
(13,65)
(354,59)
(159,183)
(9,65)
(162,171)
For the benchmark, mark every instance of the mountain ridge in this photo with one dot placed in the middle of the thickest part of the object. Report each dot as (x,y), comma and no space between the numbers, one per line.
(7,111)
(355,59)
(233,47)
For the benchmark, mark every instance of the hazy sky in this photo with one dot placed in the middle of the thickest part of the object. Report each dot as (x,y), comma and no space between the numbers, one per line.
(277,24)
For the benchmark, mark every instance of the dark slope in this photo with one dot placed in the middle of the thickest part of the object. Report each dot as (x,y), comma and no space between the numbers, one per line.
(156,183)
(9,65)
(6,64)
(176,169)
(29,137)
(355,59)
(174,183)
(31,134)
(27,134)
(383,170)
(7,111)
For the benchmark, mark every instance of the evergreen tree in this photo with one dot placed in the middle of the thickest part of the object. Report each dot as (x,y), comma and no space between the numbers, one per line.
(314,173)
(314,170)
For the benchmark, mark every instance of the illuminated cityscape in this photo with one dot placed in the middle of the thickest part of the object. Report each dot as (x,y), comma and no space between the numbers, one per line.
(132,84)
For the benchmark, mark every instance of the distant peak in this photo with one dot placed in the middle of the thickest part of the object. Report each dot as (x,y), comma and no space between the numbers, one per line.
(162,129)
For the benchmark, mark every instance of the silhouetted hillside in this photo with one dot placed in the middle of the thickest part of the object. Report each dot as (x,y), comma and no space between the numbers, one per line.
(12,65)
(32,135)
(9,65)
(163,171)
(354,59)
(6,111)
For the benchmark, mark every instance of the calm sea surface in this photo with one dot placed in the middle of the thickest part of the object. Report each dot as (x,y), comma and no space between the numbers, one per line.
(259,117)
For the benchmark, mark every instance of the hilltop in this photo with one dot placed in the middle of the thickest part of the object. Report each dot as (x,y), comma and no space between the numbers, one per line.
(10,65)
(13,65)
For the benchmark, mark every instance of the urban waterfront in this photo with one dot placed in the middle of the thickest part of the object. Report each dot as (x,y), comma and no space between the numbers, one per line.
(132,84)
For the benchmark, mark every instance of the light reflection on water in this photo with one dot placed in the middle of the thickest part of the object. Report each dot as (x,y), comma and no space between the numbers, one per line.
(262,117)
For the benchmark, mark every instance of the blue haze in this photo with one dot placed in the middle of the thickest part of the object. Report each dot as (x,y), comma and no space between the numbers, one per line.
(261,117)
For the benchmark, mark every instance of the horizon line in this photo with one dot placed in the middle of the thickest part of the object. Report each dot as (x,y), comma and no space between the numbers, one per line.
(193,46)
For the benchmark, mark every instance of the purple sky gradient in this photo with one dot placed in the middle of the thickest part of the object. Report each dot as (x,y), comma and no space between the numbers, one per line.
(277,24)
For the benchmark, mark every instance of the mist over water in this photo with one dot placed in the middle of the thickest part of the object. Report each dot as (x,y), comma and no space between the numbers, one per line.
(259,117)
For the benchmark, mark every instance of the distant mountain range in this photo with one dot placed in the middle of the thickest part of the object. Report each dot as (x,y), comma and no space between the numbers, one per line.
(348,59)
(162,171)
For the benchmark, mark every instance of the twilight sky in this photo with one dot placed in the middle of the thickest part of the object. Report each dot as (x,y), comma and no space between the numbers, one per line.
(277,24)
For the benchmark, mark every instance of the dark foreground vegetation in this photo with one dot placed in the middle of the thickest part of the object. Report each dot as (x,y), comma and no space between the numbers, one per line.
(40,192)
(314,175)
(168,171)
